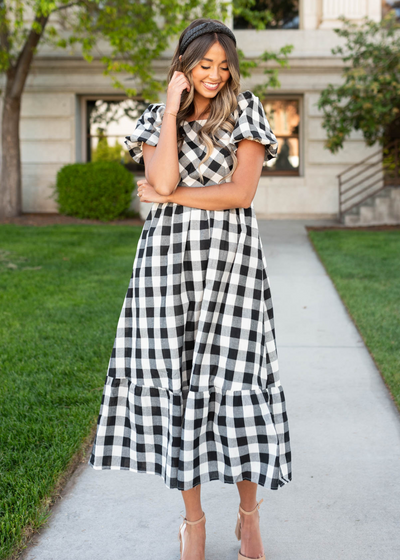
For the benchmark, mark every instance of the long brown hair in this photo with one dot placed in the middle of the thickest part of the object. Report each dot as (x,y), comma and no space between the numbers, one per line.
(223,104)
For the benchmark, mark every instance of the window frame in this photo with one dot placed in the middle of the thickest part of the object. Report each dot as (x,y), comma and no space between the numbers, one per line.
(83,114)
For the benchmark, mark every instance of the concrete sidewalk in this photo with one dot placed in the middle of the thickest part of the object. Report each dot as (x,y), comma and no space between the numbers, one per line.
(344,500)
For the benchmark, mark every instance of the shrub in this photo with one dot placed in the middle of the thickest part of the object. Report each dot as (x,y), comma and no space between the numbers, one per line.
(99,190)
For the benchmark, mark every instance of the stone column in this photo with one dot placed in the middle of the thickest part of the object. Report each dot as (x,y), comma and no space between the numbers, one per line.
(310,14)
(354,10)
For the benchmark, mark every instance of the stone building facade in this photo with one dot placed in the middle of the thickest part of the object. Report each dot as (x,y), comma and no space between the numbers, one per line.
(62,91)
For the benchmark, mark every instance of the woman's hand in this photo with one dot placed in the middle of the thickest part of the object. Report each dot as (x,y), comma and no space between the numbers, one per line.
(176,86)
(147,192)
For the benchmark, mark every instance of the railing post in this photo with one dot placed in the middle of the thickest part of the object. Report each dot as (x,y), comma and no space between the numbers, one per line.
(396,161)
(340,198)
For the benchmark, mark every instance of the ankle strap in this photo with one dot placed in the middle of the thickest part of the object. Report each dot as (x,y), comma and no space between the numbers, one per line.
(253,510)
(194,522)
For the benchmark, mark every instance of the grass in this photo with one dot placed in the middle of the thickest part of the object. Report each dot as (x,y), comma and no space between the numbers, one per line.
(365,268)
(61,292)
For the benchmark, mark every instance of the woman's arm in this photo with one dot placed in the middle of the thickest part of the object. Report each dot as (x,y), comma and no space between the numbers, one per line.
(239,193)
(161,161)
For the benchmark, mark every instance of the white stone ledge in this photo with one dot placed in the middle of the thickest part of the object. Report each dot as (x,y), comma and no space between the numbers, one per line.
(47,105)
(46,152)
(48,128)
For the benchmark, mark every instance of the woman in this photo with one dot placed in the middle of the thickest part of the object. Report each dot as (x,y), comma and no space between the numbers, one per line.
(192,391)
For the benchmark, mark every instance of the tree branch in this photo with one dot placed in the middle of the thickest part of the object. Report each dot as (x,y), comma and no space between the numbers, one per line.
(71,5)
(4,31)
(25,57)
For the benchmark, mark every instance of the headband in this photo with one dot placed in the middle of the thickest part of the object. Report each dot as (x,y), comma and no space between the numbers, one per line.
(207,27)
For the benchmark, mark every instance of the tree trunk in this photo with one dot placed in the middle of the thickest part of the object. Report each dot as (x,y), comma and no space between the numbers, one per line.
(10,191)
(10,186)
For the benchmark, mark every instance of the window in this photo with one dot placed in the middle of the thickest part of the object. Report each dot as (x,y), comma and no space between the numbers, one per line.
(285,14)
(108,120)
(389,5)
(283,115)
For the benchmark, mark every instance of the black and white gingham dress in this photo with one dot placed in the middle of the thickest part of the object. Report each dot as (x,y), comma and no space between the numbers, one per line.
(192,391)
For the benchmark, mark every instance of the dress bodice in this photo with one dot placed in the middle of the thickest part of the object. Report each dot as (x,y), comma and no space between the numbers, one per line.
(251,123)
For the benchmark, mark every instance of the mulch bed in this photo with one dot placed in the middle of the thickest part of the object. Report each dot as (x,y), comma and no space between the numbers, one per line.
(47,219)
(394,227)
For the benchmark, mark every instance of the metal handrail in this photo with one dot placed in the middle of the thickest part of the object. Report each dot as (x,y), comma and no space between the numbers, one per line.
(359,182)
(365,189)
(365,165)
(363,160)
(365,168)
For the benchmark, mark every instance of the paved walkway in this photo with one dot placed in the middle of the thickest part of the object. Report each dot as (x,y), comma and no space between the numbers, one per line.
(344,500)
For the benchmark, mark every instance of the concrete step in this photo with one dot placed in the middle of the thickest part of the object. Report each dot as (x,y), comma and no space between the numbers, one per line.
(385,193)
(379,209)
(351,220)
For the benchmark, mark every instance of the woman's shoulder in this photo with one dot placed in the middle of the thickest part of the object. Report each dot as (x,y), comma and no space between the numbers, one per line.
(155,106)
(247,99)
(153,110)
(247,94)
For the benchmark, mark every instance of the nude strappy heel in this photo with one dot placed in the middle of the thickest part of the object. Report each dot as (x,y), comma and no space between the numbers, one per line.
(182,528)
(238,530)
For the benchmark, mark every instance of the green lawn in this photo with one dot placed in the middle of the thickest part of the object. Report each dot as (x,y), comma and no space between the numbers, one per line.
(61,292)
(365,268)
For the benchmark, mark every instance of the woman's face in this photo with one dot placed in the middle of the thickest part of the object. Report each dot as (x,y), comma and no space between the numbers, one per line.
(211,74)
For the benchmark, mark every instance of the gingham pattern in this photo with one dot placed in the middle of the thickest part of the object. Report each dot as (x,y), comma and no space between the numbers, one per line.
(251,123)
(192,391)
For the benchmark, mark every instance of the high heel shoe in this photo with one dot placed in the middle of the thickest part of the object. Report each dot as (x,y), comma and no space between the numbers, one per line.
(182,529)
(238,531)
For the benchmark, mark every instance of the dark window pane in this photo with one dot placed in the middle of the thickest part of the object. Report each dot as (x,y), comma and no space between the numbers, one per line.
(285,14)
(389,5)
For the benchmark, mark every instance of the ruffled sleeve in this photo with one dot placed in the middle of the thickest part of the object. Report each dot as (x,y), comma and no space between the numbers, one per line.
(147,130)
(252,124)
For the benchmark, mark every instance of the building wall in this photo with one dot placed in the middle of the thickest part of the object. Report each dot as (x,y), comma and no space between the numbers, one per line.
(51,128)
(47,143)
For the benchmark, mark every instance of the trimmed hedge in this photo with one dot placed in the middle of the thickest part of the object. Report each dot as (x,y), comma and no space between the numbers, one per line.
(99,190)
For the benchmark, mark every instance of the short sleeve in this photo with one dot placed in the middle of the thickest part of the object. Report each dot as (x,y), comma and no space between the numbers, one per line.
(147,130)
(252,124)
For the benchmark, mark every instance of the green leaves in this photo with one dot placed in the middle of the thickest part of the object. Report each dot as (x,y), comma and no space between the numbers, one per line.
(369,98)
(257,19)
(99,190)
(279,58)
(127,35)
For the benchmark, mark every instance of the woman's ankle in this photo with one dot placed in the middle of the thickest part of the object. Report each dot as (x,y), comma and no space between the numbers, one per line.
(248,506)
(194,516)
